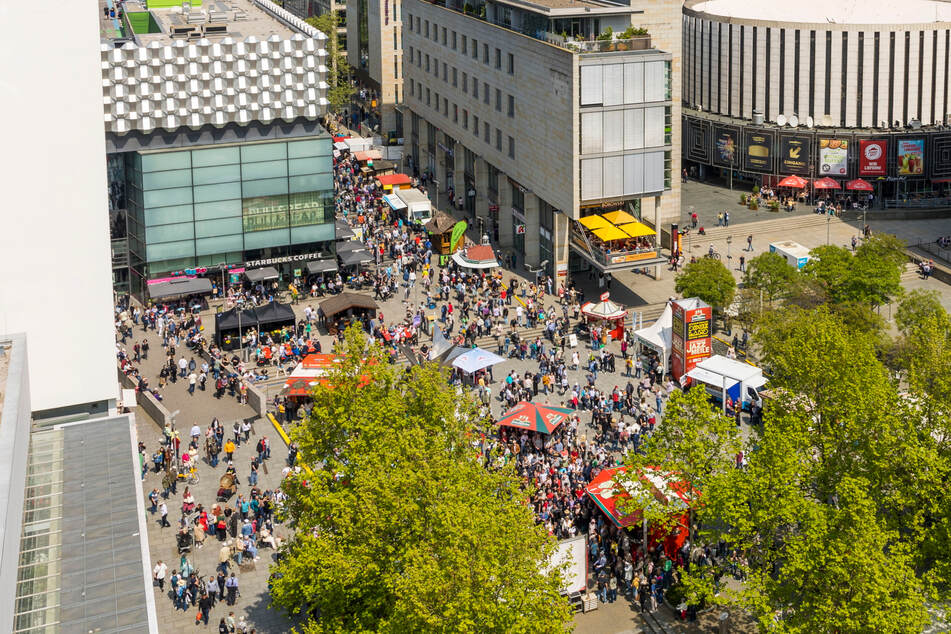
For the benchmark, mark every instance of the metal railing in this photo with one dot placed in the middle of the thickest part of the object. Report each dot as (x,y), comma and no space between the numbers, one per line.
(934,249)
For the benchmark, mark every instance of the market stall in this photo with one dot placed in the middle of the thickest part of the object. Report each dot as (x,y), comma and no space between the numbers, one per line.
(339,310)
(476,257)
(440,230)
(606,314)
(233,324)
(657,336)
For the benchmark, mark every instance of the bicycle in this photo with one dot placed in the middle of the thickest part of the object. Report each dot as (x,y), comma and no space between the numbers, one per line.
(712,255)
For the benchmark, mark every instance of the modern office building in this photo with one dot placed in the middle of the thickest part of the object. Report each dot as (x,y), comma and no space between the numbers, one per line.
(375,34)
(534,123)
(216,156)
(819,89)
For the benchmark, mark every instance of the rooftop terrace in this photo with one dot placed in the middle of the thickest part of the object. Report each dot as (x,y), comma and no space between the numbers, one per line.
(213,19)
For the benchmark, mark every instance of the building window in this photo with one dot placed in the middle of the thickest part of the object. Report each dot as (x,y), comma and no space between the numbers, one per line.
(498,139)
(485,132)
(498,59)
(465,82)
(518,197)
(812,75)
(455,113)
(443,36)
(396,68)
(845,74)
(417,24)
(426,29)
(445,107)
(427,62)
(475,88)
(465,41)
(412,86)
(511,105)
(475,126)
(827,107)
(498,100)
(485,54)
(453,39)
(475,48)
(511,147)
(445,72)
(891,77)
(511,68)
(486,95)
(410,23)
(465,118)
(859,79)
(436,105)
(454,77)
(796,50)
(427,96)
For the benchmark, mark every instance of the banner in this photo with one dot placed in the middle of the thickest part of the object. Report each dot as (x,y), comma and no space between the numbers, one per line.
(691,335)
(458,230)
(794,154)
(759,151)
(911,157)
(725,142)
(872,157)
(833,157)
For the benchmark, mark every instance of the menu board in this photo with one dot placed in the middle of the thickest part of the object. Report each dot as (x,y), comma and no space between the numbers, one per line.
(833,157)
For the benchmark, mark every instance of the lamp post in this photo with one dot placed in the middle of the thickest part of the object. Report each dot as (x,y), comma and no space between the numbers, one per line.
(828,226)
(729,241)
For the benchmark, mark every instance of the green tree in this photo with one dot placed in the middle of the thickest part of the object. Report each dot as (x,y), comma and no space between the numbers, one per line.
(709,280)
(916,307)
(401,528)
(338,70)
(769,273)
(872,276)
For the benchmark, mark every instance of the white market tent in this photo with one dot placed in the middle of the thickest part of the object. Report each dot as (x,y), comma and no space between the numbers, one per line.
(603,310)
(657,335)
(358,144)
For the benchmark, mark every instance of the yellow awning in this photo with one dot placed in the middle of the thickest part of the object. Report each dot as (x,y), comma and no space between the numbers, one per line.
(637,230)
(594,222)
(618,217)
(610,233)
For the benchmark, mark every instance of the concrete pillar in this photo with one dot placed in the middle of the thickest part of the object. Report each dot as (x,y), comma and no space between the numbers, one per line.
(423,146)
(458,174)
(532,234)
(443,165)
(559,239)
(506,237)
(482,195)
(651,209)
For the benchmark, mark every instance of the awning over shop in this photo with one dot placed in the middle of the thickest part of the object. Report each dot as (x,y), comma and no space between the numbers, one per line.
(262,275)
(368,155)
(394,202)
(321,266)
(340,145)
(618,217)
(348,246)
(657,335)
(394,180)
(607,310)
(343,230)
(274,314)
(353,258)
(345,301)
(594,222)
(179,287)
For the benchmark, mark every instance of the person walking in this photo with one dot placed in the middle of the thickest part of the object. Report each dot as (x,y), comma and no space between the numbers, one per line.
(749,243)
(231,586)
(229,449)
(163,511)
(211,587)
(192,379)
(220,580)
(159,572)
(743,264)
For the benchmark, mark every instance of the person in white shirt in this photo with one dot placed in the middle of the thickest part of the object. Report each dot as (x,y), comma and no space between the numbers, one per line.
(159,572)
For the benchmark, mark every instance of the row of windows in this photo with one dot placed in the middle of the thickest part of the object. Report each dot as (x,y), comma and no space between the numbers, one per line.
(441,105)
(462,43)
(487,91)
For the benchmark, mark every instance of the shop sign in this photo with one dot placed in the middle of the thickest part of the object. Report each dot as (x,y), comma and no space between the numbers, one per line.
(833,157)
(562,269)
(633,257)
(605,296)
(911,157)
(759,151)
(303,257)
(794,154)
(520,229)
(872,155)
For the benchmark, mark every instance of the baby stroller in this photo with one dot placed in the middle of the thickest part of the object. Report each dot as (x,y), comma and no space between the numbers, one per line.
(226,487)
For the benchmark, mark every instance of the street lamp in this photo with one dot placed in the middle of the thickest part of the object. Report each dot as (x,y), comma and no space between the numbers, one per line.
(729,241)
(828,226)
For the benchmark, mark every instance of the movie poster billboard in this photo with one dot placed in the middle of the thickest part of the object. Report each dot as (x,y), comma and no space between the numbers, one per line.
(833,157)
(691,335)
(759,151)
(726,146)
(794,154)
(911,157)
(872,155)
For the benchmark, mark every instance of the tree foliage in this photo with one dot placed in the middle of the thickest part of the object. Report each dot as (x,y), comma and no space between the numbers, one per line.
(709,280)
(401,528)
(769,273)
(916,307)
(872,276)
(338,69)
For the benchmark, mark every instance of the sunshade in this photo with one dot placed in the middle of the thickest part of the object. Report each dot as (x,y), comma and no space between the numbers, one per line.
(322,266)
(594,222)
(610,233)
(475,360)
(603,310)
(826,183)
(346,246)
(183,286)
(793,181)
(394,202)
(301,386)
(539,417)
(368,155)
(859,185)
(618,217)
(343,230)
(262,274)
(637,229)
(353,258)
(318,360)
(274,313)
(612,485)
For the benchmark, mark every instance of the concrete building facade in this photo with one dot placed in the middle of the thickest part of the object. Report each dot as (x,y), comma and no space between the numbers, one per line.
(375,30)
(532,130)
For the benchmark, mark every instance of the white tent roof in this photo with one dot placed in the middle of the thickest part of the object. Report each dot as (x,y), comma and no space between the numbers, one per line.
(730,368)
(604,310)
(657,335)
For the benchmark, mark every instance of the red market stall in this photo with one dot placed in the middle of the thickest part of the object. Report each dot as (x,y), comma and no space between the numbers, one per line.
(606,313)
(389,182)
(611,486)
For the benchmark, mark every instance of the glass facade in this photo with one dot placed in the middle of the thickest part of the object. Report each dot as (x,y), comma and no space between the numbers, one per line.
(227,204)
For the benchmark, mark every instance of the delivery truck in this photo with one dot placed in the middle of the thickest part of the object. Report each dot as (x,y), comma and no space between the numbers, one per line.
(794,253)
(737,381)
(418,208)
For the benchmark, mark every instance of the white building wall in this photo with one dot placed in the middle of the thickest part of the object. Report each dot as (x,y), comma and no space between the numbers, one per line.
(54,246)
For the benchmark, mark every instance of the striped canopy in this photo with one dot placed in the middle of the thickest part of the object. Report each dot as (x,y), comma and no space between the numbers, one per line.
(538,417)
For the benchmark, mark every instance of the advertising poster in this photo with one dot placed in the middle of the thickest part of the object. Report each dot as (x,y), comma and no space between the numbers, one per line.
(725,146)
(698,343)
(833,157)
(911,157)
(872,157)
(794,155)
(759,151)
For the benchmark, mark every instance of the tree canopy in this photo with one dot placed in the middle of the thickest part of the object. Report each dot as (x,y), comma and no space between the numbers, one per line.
(709,280)
(338,70)
(401,528)
(770,273)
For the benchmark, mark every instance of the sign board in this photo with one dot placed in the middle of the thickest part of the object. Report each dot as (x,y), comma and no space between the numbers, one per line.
(725,144)
(691,335)
(458,231)
(759,151)
(573,340)
(562,269)
(794,154)
(519,229)
(911,157)
(872,155)
(833,157)
(605,296)
(296,272)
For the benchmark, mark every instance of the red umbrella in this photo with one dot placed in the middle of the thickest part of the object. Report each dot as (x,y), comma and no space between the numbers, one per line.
(859,185)
(535,416)
(826,183)
(793,181)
